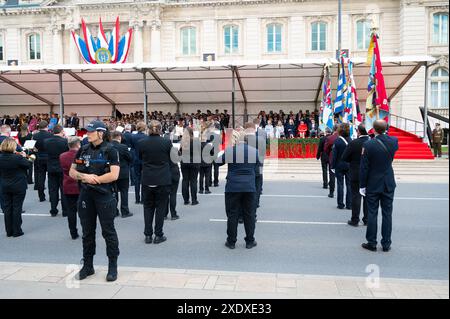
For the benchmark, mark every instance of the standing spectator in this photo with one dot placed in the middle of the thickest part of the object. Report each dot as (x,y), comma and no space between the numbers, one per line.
(377,183)
(55,146)
(137,164)
(127,138)
(41,158)
(190,166)
(70,186)
(123,182)
(206,160)
(154,151)
(323,156)
(352,154)
(329,141)
(342,168)
(13,175)
(438,137)
(172,203)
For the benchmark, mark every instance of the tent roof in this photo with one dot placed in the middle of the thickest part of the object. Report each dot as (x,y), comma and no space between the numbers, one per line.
(257,81)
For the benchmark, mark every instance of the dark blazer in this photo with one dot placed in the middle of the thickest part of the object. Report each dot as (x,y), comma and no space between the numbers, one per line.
(13,172)
(55,146)
(175,171)
(376,173)
(154,151)
(258,141)
(135,140)
(241,176)
(352,155)
(328,147)
(339,147)
(321,154)
(40,137)
(124,159)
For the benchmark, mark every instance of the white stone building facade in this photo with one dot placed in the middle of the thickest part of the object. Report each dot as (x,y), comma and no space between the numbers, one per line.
(39,32)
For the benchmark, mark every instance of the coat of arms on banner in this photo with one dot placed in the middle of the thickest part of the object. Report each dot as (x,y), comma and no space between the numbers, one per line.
(103,49)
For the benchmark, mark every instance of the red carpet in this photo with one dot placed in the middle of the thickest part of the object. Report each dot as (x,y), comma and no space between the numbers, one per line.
(410,146)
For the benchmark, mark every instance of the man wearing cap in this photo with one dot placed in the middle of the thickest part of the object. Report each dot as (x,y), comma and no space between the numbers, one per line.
(438,137)
(96,167)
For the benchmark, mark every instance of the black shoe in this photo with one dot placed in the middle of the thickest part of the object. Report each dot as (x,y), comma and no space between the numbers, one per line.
(187,203)
(195,203)
(137,202)
(18,234)
(365,223)
(117,214)
(325,187)
(216,185)
(112,269)
(240,220)
(54,215)
(159,239)
(175,217)
(201,192)
(250,245)
(331,195)
(208,192)
(369,247)
(386,249)
(340,207)
(8,235)
(229,245)
(87,269)
(64,215)
(127,215)
(75,236)
(23,211)
(148,239)
(42,200)
(166,218)
(349,208)
(351,223)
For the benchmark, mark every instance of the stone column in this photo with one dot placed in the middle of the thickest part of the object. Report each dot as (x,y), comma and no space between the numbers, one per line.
(57,45)
(74,54)
(138,48)
(156,41)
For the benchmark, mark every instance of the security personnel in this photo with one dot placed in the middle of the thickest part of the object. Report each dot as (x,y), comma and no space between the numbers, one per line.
(55,146)
(96,167)
(41,158)
(438,137)
(352,155)
(123,182)
(377,184)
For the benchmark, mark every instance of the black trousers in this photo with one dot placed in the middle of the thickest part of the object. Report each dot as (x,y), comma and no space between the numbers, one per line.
(356,203)
(215,168)
(374,200)
(71,209)
(40,177)
(93,204)
(240,204)
(35,167)
(342,176)
(205,177)
(332,182)
(172,202)
(138,182)
(123,185)
(259,185)
(12,209)
(30,174)
(190,177)
(55,188)
(155,208)
(325,172)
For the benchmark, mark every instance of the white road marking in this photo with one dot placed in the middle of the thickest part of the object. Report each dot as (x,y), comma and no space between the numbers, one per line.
(40,215)
(286,222)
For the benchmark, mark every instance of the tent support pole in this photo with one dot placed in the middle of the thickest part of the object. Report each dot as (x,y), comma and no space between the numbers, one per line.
(233,98)
(425,106)
(178,107)
(144,74)
(61,98)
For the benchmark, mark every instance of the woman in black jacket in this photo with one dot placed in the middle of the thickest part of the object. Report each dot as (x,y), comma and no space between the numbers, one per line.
(190,166)
(25,135)
(13,173)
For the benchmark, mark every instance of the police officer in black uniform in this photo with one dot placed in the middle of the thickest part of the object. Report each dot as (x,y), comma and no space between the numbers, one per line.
(96,167)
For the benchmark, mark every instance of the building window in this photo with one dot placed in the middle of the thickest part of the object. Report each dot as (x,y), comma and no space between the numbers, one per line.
(318,36)
(439,88)
(274,38)
(231,39)
(363,30)
(440,28)
(34,45)
(188,41)
(2,48)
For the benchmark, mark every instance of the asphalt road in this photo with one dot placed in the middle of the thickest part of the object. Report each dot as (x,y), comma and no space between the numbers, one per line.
(299,231)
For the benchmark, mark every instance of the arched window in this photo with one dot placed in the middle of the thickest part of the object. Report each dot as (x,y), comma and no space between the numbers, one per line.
(440,28)
(274,37)
(318,36)
(439,88)
(34,46)
(188,41)
(231,39)
(2,48)
(363,34)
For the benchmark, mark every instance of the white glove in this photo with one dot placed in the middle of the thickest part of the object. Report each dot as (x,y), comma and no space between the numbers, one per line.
(332,170)
(362,191)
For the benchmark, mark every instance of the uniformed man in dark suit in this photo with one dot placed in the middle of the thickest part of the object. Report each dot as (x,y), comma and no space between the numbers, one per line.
(438,137)
(123,182)
(55,146)
(41,158)
(377,183)
(342,168)
(352,155)
(323,157)
(329,141)
(96,167)
(137,163)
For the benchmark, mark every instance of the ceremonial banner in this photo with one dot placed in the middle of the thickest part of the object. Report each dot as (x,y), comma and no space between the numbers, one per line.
(326,118)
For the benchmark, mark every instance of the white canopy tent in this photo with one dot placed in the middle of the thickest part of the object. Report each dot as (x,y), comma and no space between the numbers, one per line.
(101,89)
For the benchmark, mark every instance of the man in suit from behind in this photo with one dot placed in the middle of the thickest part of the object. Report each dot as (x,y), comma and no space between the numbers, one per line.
(41,158)
(377,183)
(342,168)
(323,157)
(352,155)
(329,141)
(137,163)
